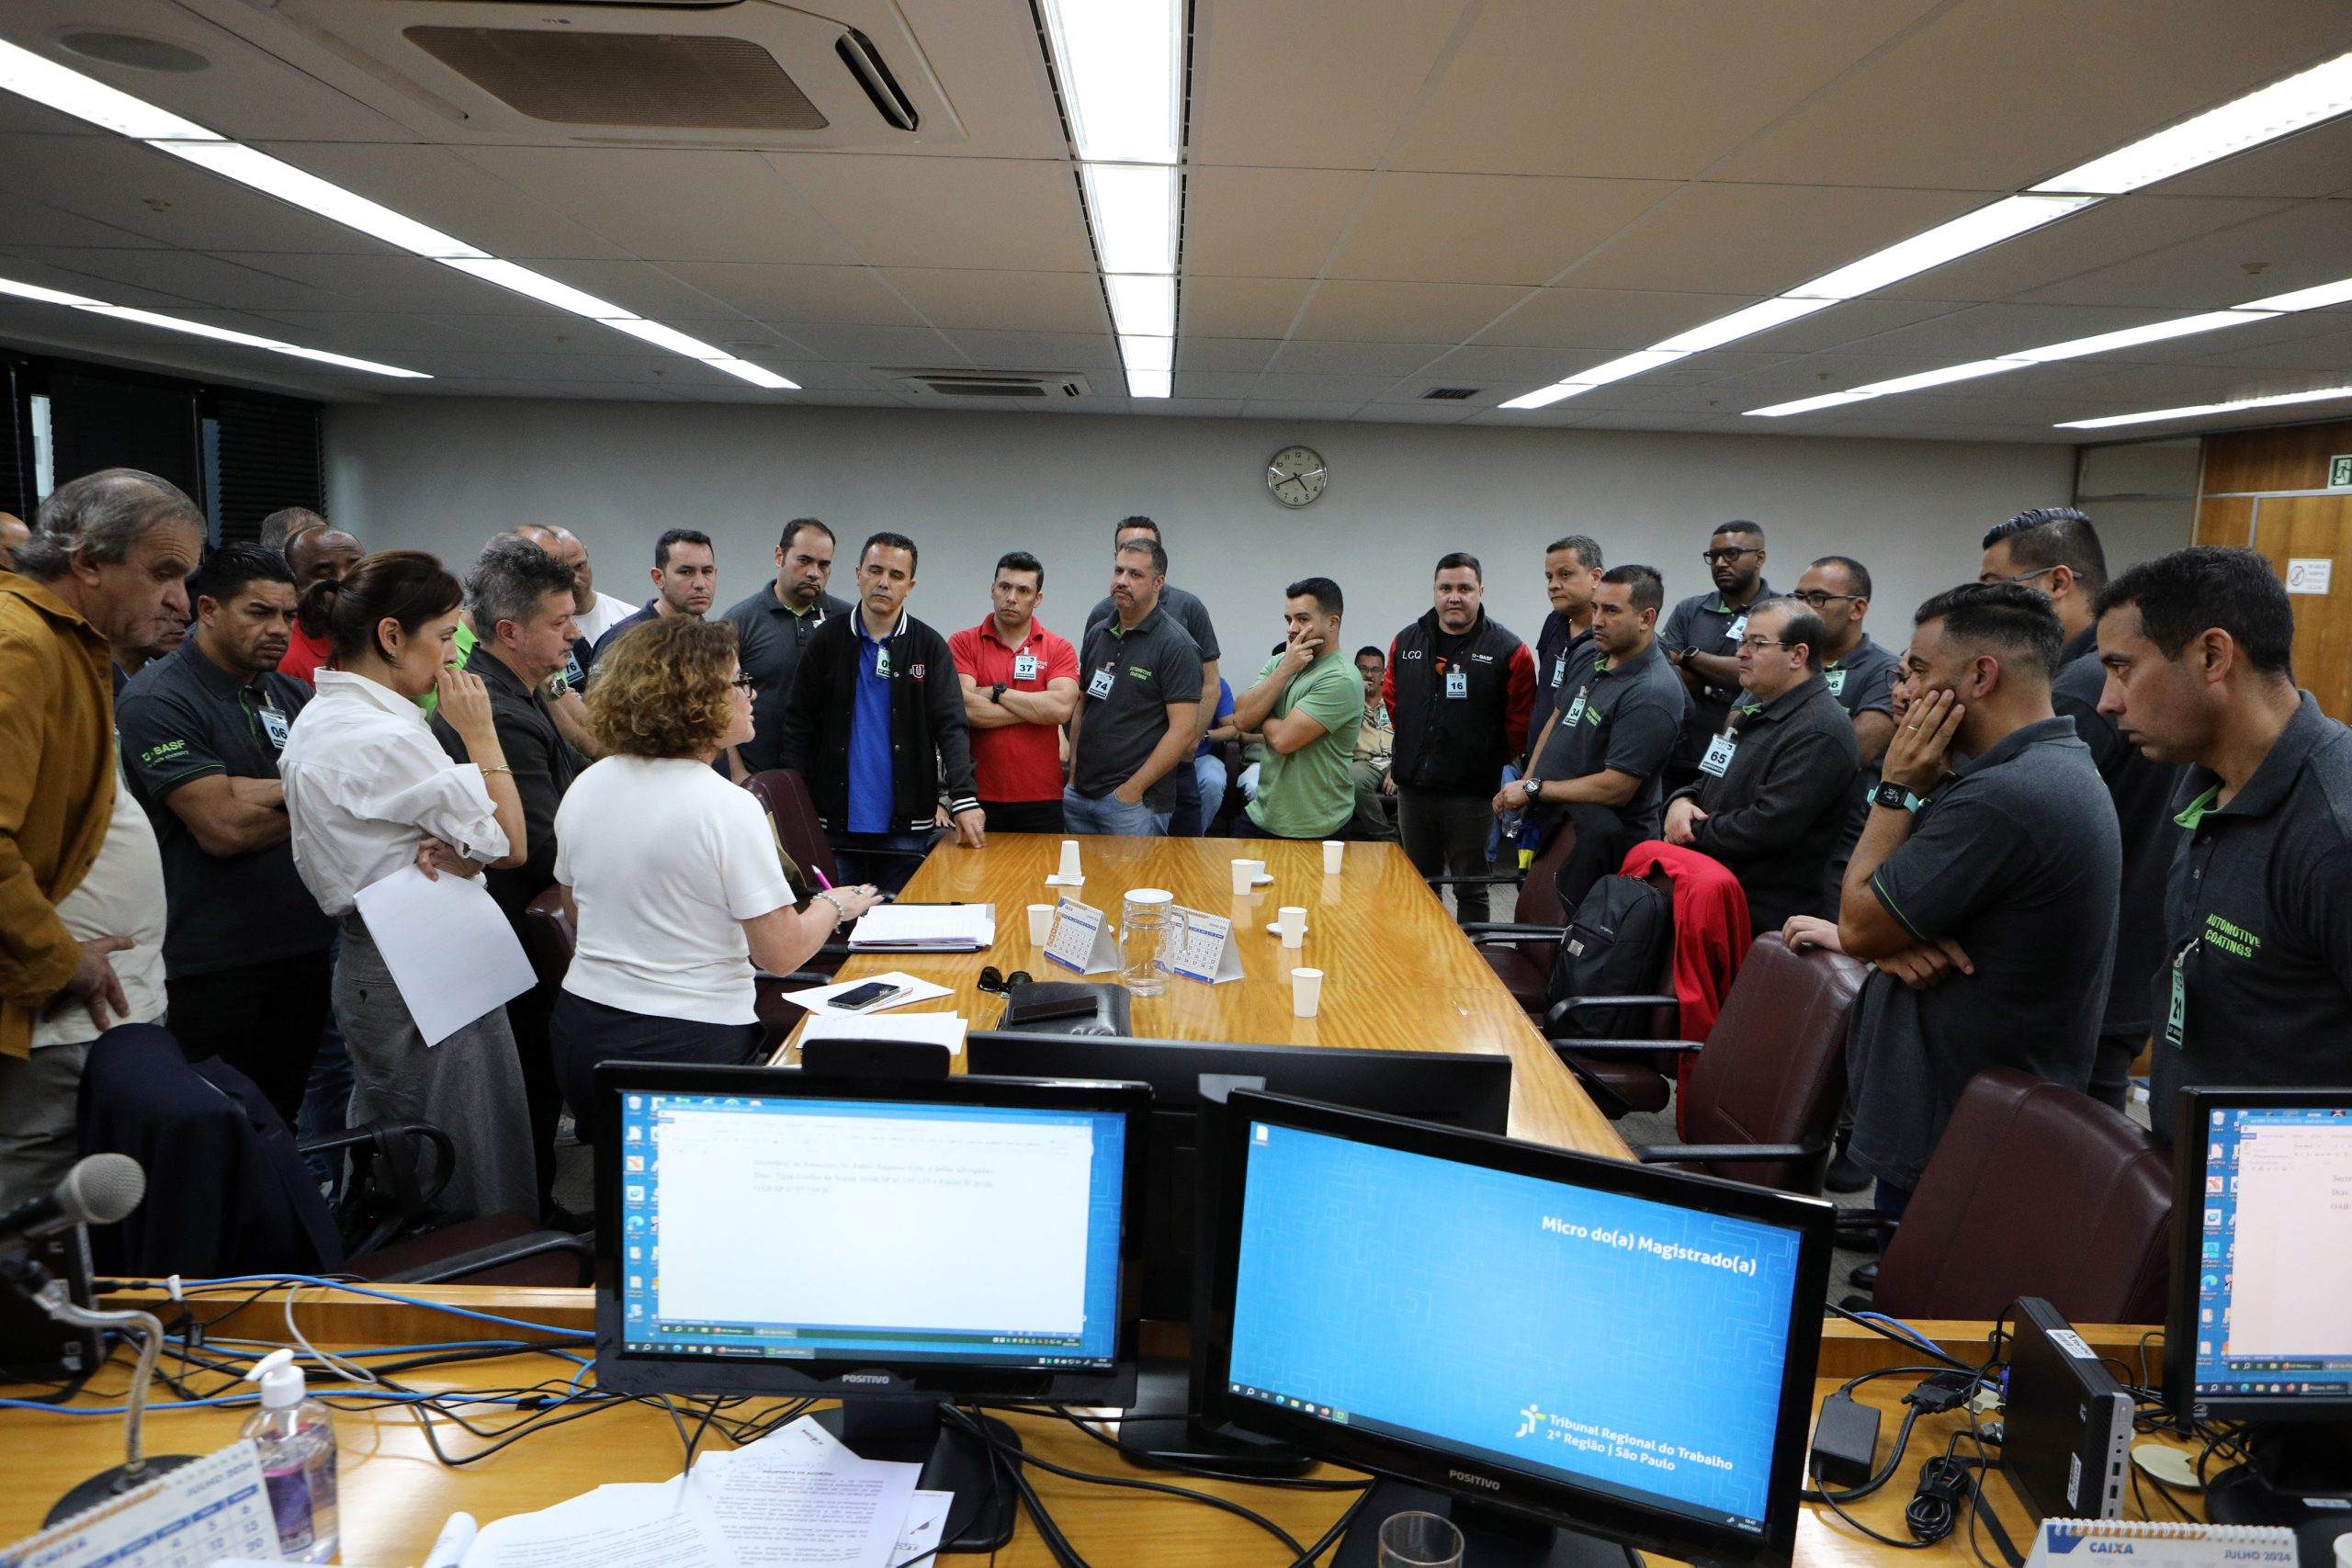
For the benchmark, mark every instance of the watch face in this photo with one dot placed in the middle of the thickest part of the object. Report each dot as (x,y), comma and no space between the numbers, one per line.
(1296,475)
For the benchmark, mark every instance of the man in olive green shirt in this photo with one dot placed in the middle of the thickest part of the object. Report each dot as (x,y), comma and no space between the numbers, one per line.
(1308,701)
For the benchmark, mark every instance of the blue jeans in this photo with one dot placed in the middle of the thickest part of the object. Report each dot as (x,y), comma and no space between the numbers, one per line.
(1208,776)
(1190,819)
(1109,815)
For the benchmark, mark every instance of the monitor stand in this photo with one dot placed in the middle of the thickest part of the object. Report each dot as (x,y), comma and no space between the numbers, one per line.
(2301,1477)
(1158,1430)
(912,1431)
(1490,1537)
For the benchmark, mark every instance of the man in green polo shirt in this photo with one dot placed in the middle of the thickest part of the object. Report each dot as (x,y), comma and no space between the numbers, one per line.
(1308,701)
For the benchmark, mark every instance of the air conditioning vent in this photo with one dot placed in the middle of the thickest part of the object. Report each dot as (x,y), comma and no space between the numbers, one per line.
(568,78)
(989,383)
(857,52)
(1450,394)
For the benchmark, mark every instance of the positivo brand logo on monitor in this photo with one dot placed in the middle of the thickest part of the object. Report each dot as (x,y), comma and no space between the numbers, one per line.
(884,1379)
(1488,1482)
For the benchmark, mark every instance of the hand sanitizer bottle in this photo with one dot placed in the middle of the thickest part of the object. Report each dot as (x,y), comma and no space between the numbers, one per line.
(295,1438)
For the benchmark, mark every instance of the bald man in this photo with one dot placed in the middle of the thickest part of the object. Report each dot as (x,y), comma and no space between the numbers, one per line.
(594,613)
(13,533)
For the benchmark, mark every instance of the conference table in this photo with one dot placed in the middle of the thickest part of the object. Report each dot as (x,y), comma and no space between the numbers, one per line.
(1398,974)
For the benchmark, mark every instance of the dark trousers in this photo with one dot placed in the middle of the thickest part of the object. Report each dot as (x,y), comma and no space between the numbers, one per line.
(1023,816)
(1446,835)
(1190,820)
(2111,1068)
(527,1017)
(587,1032)
(262,1019)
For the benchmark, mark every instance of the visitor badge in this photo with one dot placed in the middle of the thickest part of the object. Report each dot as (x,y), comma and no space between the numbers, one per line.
(1024,666)
(1457,683)
(1837,682)
(1559,670)
(1100,686)
(275,725)
(1575,710)
(882,662)
(1737,630)
(1718,757)
(2177,1013)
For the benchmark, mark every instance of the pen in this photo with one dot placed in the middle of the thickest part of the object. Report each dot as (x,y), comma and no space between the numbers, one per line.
(822,881)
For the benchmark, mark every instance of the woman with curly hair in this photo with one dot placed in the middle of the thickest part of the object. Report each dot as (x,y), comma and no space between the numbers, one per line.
(672,875)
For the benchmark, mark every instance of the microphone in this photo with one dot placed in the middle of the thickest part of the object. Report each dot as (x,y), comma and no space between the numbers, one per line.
(98,1191)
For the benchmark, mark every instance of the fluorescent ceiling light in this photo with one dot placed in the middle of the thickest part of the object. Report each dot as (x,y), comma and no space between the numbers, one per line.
(665,337)
(1149,383)
(541,286)
(84,98)
(1147,353)
(1950,373)
(1969,232)
(2155,331)
(1744,323)
(1544,397)
(756,375)
(1142,307)
(1630,365)
(2280,109)
(1133,208)
(2237,405)
(222,334)
(1120,61)
(46,296)
(274,176)
(2336,293)
(1810,405)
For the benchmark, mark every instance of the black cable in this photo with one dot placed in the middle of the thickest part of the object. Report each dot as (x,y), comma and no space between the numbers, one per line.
(1283,1483)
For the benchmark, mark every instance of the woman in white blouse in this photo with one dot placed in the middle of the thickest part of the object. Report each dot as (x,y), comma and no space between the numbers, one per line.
(674,874)
(369,791)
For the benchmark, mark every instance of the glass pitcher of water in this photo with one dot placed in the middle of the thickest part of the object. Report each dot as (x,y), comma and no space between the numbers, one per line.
(1152,935)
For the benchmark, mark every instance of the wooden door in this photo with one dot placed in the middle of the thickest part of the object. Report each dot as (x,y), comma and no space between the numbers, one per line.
(2309,527)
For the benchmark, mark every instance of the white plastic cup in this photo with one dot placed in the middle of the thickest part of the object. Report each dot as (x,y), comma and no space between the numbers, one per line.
(1291,920)
(1332,851)
(1256,870)
(1306,992)
(1041,923)
(1070,871)
(1244,872)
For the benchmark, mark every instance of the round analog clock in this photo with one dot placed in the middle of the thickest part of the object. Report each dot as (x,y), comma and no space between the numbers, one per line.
(1296,475)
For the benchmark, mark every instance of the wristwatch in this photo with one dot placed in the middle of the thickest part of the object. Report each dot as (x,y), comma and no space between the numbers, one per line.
(1895,797)
(1534,788)
(996,694)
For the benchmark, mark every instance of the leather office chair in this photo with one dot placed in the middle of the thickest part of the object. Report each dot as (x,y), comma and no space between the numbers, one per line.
(1761,1103)
(785,793)
(1521,950)
(2034,1190)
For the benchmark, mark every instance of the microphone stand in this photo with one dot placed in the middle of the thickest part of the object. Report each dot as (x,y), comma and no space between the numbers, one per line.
(50,1293)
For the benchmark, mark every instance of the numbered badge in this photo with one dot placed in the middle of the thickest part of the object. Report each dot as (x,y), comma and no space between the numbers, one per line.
(1457,683)
(1024,666)
(1718,758)
(275,725)
(1099,686)
(1836,680)
(1737,630)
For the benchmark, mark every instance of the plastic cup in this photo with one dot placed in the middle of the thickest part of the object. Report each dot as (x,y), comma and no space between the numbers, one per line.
(1041,923)
(1306,992)
(1291,919)
(1069,871)
(1419,1541)
(1244,873)
(1332,851)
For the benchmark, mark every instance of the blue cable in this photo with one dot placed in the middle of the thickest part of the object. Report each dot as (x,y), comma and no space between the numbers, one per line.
(537,1402)
(392,1296)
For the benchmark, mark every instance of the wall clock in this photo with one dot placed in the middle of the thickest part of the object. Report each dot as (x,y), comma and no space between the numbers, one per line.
(1296,475)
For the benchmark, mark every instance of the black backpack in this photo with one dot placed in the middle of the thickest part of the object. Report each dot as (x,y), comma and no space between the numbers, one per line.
(1616,946)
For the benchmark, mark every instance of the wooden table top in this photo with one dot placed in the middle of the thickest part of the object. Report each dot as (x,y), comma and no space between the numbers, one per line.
(1398,971)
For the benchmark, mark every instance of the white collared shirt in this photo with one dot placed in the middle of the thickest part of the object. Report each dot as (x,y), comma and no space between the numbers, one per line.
(602,619)
(366,781)
(122,895)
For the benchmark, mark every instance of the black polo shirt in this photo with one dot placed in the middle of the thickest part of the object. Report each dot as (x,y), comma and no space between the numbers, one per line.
(545,763)
(1125,682)
(2144,794)
(1777,804)
(184,718)
(2258,916)
(1185,608)
(1556,648)
(1623,716)
(1705,622)
(1862,681)
(768,639)
(2015,857)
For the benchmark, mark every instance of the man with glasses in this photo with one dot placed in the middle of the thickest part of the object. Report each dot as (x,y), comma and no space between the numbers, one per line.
(2056,549)
(1702,639)
(1770,799)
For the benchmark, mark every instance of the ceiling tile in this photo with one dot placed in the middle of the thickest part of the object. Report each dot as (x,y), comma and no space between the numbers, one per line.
(1309,83)
(1096,352)
(246,283)
(1307,357)
(2303,245)
(946,212)
(916,347)
(1250,355)
(2313,347)
(673,204)
(1296,411)
(986,56)
(772,292)
(1415,413)
(155,195)
(1253,222)
(2113,231)
(1006,301)
(1488,228)
(1405,312)
(1759,241)
(1603,322)
(1217,383)
(1239,307)
(436,186)
(24,220)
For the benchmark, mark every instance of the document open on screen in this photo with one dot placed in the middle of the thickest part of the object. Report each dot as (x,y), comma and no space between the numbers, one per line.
(826,1215)
(2291,1201)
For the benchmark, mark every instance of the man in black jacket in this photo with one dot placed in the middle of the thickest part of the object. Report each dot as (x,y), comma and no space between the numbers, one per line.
(877,713)
(1459,688)
(1770,800)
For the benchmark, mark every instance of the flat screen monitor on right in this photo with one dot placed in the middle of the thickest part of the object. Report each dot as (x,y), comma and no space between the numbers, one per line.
(1565,1354)
(2260,1325)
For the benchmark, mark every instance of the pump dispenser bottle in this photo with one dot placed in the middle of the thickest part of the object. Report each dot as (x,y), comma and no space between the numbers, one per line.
(295,1438)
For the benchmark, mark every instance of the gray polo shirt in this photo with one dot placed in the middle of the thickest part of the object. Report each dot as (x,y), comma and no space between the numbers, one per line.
(1705,622)
(2015,857)
(183,719)
(1187,609)
(2258,916)
(1862,681)
(1623,716)
(2142,792)
(768,640)
(1125,682)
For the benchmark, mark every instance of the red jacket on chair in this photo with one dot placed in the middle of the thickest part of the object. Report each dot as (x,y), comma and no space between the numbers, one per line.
(1711,935)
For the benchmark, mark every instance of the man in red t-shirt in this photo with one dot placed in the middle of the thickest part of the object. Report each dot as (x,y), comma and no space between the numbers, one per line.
(1020,683)
(319,553)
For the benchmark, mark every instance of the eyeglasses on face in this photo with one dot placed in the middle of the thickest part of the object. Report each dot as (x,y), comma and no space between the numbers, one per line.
(1821,600)
(1767,642)
(745,682)
(2022,576)
(1729,552)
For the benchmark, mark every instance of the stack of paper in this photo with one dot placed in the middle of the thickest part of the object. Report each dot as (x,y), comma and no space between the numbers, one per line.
(799,1499)
(923,1028)
(925,927)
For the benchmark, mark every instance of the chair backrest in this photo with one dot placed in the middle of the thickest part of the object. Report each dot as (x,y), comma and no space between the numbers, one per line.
(2034,1190)
(548,938)
(1774,1069)
(1539,894)
(786,795)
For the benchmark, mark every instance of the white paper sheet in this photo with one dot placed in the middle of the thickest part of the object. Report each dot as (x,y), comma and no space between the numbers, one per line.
(935,927)
(926,1522)
(801,1499)
(821,999)
(923,1028)
(450,950)
(613,1527)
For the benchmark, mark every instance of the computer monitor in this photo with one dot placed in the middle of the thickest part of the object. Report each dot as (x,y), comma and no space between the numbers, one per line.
(895,1245)
(2259,1328)
(1559,1350)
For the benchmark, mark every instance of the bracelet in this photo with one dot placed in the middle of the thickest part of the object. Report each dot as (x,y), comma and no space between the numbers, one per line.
(498,768)
(840,914)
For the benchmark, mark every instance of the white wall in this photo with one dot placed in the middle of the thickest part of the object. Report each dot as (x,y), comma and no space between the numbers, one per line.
(442,474)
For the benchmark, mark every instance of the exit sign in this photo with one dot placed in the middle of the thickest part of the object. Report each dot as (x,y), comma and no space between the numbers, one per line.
(2339,472)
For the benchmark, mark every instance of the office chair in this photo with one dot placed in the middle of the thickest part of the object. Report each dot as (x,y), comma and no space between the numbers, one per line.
(2034,1190)
(785,793)
(1521,950)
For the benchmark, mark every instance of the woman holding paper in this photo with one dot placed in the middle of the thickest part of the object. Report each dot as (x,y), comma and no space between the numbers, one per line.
(368,793)
(672,875)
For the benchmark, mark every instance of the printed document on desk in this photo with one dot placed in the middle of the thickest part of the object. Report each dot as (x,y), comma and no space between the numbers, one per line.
(925,927)
(450,950)
(913,989)
(920,1027)
(613,1527)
